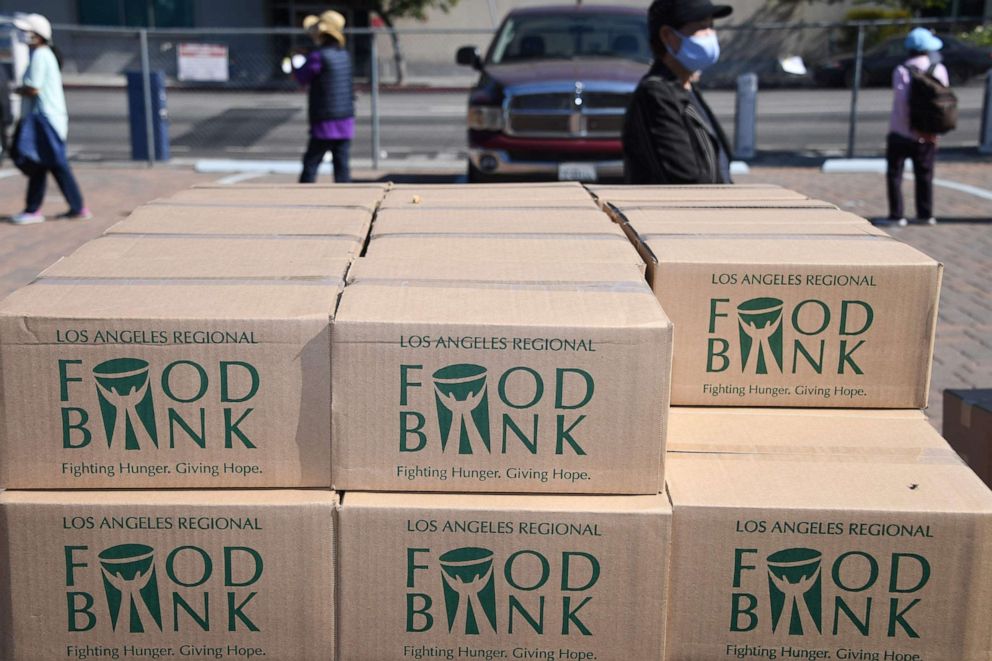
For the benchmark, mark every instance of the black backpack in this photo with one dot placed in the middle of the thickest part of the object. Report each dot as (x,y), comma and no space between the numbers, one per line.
(933,107)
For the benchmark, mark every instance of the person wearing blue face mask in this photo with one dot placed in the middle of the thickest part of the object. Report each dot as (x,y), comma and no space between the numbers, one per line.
(670,135)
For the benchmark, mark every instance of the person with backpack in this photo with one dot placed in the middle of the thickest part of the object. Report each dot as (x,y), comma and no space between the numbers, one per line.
(39,141)
(922,107)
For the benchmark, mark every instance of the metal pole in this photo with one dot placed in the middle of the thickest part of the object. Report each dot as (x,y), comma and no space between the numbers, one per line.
(745,144)
(374,81)
(146,84)
(853,121)
(985,137)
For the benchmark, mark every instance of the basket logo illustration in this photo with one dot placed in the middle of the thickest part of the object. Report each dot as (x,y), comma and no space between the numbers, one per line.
(122,385)
(469,590)
(796,591)
(462,400)
(760,322)
(131,586)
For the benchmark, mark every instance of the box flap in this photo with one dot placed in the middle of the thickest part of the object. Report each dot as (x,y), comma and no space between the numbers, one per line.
(261,220)
(788,249)
(169,257)
(515,248)
(372,269)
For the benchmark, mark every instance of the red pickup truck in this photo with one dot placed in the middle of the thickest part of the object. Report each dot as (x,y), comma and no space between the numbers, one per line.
(552,91)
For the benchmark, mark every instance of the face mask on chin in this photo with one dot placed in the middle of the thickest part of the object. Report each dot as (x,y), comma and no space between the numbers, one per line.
(697,53)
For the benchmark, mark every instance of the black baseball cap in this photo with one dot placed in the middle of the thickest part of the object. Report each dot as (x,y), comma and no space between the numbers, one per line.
(676,13)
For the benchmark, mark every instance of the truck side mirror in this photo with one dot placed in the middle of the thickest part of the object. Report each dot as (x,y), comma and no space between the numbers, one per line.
(468,56)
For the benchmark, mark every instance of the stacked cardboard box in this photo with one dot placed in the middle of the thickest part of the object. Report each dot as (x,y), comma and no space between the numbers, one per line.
(489,388)
(189,348)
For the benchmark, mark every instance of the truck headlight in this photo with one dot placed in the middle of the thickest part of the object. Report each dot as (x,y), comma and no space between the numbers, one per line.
(485,118)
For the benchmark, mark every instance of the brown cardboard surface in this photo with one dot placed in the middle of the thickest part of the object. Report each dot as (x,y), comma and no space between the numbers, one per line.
(568,386)
(620,195)
(869,302)
(372,269)
(568,577)
(289,196)
(261,220)
(420,223)
(642,216)
(648,230)
(235,376)
(800,557)
(854,433)
(506,248)
(968,428)
(495,217)
(198,575)
(489,196)
(204,257)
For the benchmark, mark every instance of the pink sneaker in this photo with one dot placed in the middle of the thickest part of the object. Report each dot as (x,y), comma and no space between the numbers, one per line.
(27,218)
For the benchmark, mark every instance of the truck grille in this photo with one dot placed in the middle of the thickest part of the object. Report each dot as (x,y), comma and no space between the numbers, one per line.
(579,112)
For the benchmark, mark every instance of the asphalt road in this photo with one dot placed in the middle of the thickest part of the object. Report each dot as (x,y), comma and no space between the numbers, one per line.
(431,125)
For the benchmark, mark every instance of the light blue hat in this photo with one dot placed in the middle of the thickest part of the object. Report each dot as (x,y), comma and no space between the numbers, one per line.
(922,40)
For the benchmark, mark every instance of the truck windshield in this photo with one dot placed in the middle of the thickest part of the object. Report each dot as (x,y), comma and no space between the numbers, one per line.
(567,36)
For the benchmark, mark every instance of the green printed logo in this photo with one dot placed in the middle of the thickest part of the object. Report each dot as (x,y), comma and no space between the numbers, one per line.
(129,580)
(795,590)
(462,405)
(769,336)
(807,594)
(188,588)
(521,409)
(473,591)
(760,321)
(469,590)
(198,404)
(126,402)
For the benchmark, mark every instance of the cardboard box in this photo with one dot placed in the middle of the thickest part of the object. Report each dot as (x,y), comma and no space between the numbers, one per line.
(163,384)
(564,391)
(814,557)
(489,196)
(184,219)
(857,434)
(619,211)
(429,228)
(619,195)
(509,220)
(654,230)
(207,257)
(968,428)
(526,577)
(506,248)
(605,275)
(824,215)
(781,320)
(167,574)
(304,195)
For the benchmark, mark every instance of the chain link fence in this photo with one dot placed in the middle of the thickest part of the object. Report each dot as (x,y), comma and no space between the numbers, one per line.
(228,93)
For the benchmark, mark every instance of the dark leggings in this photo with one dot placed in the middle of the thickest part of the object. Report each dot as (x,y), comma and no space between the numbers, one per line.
(923,155)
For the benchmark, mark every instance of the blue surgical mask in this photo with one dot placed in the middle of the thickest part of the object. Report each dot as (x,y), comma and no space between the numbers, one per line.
(697,53)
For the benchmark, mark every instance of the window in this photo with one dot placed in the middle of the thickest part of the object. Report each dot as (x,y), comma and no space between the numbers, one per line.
(137,13)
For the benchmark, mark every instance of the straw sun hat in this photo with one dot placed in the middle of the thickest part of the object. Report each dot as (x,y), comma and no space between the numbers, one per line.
(329,22)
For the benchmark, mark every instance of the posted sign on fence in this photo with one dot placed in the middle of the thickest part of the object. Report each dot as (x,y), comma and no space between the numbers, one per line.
(203,62)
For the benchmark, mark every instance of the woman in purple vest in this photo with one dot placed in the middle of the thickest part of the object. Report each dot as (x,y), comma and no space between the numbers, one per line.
(327,71)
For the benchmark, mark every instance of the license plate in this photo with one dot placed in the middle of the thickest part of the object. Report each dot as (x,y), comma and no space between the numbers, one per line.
(576,172)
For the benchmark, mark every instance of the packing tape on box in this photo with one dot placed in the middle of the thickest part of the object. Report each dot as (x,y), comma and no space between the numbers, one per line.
(189,235)
(623,287)
(833,454)
(768,237)
(498,235)
(226,282)
(235,205)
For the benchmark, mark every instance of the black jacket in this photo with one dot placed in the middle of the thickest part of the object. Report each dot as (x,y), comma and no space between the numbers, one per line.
(665,141)
(6,115)
(331,93)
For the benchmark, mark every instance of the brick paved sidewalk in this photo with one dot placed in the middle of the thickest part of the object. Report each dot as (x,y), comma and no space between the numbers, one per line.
(963,357)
